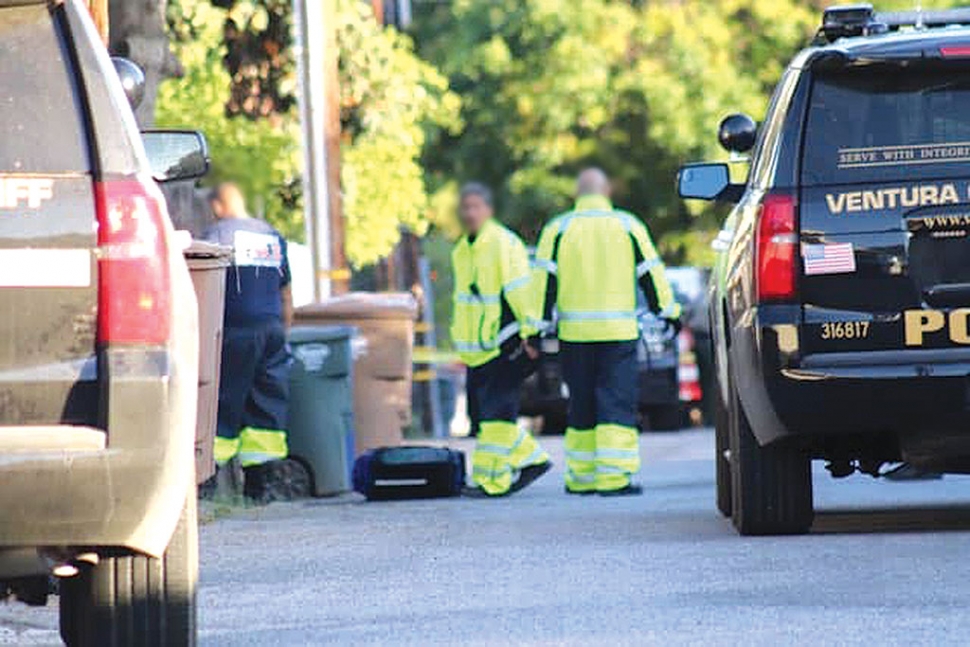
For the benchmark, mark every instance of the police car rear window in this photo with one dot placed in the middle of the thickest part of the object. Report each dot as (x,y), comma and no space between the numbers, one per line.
(887,123)
(40,127)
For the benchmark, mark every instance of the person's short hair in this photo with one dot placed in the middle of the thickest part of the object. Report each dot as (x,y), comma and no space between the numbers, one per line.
(478,189)
(219,190)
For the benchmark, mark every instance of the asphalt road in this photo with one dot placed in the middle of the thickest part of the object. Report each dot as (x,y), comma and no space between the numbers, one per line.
(886,564)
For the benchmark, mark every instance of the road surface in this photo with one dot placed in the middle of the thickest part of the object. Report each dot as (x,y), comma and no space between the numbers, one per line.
(887,563)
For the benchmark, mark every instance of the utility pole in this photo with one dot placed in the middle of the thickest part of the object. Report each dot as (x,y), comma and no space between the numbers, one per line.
(320,117)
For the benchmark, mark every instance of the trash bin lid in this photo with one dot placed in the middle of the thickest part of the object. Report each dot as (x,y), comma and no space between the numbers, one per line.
(363,305)
(320,334)
(203,255)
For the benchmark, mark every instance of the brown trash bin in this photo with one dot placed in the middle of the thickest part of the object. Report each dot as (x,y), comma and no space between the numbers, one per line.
(382,371)
(208,264)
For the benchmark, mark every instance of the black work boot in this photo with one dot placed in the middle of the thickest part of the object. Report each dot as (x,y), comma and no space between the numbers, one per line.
(907,472)
(226,484)
(285,480)
(529,475)
(633,489)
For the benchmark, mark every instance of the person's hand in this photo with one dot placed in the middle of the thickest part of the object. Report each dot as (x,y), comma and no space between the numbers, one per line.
(531,351)
(675,325)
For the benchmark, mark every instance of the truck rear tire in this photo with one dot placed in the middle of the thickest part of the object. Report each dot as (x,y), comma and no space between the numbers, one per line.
(722,446)
(771,486)
(137,600)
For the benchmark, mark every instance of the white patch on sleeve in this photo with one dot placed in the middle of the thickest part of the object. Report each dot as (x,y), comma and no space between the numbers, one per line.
(257,250)
(45,268)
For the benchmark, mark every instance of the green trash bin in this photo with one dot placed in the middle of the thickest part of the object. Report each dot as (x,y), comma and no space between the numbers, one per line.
(321,429)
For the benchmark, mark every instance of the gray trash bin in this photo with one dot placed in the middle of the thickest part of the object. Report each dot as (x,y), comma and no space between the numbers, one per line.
(321,432)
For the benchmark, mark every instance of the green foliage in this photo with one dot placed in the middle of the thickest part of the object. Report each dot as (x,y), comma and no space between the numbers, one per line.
(262,156)
(392,103)
(550,86)
(260,56)
(239,87)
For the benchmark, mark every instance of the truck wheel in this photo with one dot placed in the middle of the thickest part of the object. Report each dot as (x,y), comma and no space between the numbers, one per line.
(137,600)
(771,486)
(722,445)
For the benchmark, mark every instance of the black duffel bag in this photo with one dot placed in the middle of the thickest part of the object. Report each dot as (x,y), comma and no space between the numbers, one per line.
(399,473)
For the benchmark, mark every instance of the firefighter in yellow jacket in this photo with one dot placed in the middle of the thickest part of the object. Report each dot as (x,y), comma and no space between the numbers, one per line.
(589,265)
(491,327)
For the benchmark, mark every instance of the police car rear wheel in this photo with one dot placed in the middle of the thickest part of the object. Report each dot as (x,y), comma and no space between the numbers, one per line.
(771,486)
(722,446)
(137,600)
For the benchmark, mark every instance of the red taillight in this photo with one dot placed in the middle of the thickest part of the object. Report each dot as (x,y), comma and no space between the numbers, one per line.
(134,298)
(955,51)
(777,248)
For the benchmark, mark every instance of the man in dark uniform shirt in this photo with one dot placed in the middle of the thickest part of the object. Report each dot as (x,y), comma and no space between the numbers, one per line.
(253,393)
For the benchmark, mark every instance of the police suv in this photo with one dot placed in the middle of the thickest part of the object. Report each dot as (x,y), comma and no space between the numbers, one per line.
(99,360)
(841,299)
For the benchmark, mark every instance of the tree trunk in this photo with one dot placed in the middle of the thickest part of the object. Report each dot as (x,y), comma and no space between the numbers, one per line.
(138,33)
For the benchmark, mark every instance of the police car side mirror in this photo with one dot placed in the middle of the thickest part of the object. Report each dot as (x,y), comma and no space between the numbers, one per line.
(738,133)
(710,182)
(176,155)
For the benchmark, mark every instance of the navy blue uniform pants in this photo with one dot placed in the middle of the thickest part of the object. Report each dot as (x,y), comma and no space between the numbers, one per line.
(602,443)
(494,391)
(254,386)
(603,385)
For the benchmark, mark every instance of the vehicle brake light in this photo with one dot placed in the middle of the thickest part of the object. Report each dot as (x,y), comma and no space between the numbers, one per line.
(134,296)
(777,248)
(955,51)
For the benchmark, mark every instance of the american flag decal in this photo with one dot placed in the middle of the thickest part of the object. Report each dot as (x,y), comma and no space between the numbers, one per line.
(838,258)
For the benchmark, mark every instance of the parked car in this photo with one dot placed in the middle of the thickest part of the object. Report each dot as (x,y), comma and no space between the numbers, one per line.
(838,301)
(696,356)
(98,370)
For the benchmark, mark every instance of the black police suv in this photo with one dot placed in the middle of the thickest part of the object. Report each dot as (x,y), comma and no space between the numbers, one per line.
(99,353)
(841,298)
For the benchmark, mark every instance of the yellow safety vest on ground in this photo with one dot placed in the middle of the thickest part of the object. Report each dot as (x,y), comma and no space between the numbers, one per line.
(597,255)
(493,299)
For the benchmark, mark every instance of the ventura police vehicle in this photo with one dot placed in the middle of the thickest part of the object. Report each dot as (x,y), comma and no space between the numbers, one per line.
(841,299)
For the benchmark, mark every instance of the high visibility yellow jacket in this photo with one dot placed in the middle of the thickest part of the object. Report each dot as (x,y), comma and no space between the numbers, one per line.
(588,265)
(493,300)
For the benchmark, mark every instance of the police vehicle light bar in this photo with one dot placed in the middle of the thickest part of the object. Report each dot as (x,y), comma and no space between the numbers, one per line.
(862,20)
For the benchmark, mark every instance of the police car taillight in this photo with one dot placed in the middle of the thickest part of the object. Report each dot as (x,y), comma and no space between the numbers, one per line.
(777,248)
(134,298)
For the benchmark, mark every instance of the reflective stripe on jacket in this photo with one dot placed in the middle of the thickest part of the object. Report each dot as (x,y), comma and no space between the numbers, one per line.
(493,297)
(588,265)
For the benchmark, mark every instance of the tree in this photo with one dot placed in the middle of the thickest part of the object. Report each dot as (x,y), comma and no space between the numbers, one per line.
(263,155)
(636,87)
(138,31)
(392,104)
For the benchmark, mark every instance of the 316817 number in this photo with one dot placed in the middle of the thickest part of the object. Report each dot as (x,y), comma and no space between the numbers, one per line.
(845,330)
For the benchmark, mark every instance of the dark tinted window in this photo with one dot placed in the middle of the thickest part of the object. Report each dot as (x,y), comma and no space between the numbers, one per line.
(40,126)
(886,123)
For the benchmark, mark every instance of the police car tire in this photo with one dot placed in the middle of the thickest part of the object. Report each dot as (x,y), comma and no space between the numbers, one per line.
(722,466)
(771,486)
(137,600)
